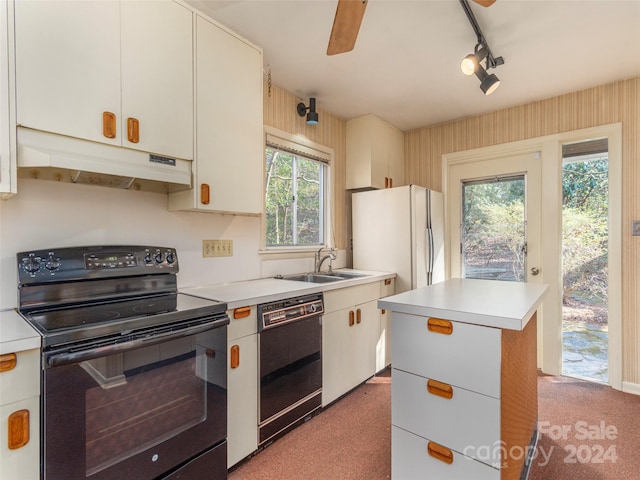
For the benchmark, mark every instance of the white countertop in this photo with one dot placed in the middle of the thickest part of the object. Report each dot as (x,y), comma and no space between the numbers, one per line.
(16,334)
(490,303)
(253,292)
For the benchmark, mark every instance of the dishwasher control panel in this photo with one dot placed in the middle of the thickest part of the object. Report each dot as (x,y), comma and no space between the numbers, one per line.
(289,310)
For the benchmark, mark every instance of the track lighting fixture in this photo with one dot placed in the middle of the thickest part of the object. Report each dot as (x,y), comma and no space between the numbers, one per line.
(471,64)
(312,116)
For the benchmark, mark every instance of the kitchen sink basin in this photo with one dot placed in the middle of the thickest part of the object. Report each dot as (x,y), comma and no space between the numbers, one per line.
(323,277)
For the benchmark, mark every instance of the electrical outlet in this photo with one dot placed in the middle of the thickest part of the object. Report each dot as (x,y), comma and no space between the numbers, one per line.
(635,228)
(217,248)
(207,248)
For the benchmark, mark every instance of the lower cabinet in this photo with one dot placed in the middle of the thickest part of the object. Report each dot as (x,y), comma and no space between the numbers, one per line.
(242,385)
(20,415)
(464,399)
(351,337)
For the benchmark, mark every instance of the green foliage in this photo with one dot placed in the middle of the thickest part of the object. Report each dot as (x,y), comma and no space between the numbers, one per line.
(585,229)
(493,229)
(293,198)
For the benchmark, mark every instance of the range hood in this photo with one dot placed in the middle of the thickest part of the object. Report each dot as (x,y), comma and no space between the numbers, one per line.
(66,159)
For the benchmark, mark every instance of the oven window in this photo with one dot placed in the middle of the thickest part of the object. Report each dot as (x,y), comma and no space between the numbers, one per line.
(140,399)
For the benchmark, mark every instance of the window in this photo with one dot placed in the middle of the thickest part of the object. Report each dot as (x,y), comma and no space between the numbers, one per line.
(295,195)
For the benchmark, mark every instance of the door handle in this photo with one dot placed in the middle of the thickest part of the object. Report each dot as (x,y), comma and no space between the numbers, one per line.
(535,271)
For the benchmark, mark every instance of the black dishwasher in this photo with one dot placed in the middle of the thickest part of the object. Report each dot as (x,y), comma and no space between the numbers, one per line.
(290,363)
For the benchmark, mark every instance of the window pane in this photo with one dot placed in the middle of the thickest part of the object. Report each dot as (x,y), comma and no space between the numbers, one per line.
(294,200)
(308,199)
(493,230)
(279,198)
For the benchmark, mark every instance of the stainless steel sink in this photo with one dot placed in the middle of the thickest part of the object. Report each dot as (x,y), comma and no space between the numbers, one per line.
(323,277)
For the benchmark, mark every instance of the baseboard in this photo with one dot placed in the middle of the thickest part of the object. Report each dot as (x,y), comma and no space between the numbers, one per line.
(629,387)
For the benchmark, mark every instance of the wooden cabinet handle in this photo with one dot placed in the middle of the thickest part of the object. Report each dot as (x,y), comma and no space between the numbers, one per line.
(358,316)
(18,429)
(440,389)
(439,452)
(241,312)
(390,182)
(386,182)
(383,311)
(8,362)
(387,281)
(108,125)
(437,325)
(133,130)
(235,356)
(351,318)
(204,193)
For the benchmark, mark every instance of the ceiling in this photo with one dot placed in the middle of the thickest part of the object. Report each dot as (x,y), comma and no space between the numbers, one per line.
(405,67)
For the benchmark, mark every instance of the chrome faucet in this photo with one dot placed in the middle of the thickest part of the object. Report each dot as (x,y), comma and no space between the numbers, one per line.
(320,261)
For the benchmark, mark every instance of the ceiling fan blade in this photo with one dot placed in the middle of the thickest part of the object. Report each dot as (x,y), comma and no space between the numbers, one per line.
(485,3)
(346,25)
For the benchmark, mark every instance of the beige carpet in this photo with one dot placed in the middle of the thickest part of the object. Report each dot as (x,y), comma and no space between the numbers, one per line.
(591,432)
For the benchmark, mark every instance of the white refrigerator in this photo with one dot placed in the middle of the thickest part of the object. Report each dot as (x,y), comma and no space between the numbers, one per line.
(400,230)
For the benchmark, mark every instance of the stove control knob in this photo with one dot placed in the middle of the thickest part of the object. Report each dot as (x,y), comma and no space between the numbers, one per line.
(158,257)
(170,257)
(31,264)
(52,263)
(147,257)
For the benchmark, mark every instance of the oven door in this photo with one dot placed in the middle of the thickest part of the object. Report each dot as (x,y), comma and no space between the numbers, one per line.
(141,413)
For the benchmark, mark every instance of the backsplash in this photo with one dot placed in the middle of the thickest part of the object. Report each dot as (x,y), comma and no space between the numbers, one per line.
(50,214)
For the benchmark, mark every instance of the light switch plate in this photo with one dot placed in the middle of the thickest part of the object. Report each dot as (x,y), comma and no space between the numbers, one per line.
(635,228)
(217,248)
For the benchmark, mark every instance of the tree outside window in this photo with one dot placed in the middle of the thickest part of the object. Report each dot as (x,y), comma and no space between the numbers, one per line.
(294,200)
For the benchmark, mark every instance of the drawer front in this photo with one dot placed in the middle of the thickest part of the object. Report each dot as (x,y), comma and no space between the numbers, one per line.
(335,300)
(467,422)
(468,357)
(411,461)
(23,380)
(243,321)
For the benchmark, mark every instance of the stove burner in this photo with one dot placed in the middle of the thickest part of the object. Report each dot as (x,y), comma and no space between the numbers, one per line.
(81,316)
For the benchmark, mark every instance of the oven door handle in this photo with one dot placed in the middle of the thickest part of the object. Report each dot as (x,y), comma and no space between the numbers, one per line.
(58,359)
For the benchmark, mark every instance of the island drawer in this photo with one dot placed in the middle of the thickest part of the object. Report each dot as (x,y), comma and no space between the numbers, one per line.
(463,420)
(20,376)
(460,354)
(411,460)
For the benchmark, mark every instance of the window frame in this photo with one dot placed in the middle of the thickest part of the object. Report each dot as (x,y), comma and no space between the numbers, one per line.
(306,148)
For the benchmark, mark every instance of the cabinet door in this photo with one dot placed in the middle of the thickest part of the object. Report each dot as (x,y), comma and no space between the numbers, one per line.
(229,138)
(23,462)
(157,76)
(68,66)
(367,341)
(338,340)
(242,400)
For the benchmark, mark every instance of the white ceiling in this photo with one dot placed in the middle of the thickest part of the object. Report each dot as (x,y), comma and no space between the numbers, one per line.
(405,67)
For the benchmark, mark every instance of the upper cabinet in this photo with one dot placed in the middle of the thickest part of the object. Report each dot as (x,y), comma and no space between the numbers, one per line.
(229,157)
(7,104)
(119,73)
(375,154)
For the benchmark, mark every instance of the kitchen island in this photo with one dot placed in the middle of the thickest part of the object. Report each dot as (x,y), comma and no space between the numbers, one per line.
(464,389)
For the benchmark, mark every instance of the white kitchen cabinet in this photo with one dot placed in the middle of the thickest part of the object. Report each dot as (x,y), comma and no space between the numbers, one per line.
(242,384)
(466,390)
(350,334)
(119,73)
(383,346)
(229,160)
(375,154)
(7,105)
(20,405)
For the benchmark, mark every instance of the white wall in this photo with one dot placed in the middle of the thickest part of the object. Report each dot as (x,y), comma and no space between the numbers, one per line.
(47,214)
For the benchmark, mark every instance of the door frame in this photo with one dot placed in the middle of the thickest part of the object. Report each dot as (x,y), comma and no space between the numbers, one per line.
(550,148)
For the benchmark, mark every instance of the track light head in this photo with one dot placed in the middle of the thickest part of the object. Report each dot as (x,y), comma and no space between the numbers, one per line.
(472,61)
(312,116)
(488,83)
